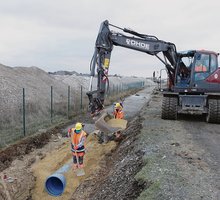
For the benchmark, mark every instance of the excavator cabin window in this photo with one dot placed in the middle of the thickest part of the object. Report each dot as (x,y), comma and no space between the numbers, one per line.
(202,66)
(213,63)
(184,71)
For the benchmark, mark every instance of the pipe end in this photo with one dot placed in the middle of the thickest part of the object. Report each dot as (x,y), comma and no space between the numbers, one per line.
(55,184)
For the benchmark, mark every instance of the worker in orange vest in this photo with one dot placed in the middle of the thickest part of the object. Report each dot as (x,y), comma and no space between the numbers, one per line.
(78,138)
(118,113)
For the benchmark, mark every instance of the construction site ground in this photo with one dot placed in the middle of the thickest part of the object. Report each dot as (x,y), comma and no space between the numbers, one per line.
(155,159)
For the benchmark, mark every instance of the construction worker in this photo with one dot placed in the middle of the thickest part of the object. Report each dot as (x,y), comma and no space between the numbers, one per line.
(78,137)
(118,113)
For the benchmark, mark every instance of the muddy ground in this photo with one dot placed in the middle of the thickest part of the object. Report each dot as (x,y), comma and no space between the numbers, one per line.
(156,159)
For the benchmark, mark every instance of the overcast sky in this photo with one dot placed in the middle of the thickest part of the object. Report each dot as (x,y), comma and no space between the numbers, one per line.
(60,34)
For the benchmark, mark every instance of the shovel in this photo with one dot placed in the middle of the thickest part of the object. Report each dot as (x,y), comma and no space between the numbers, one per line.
(79,171)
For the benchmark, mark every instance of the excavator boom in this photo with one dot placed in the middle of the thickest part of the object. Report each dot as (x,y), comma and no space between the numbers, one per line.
(105,41)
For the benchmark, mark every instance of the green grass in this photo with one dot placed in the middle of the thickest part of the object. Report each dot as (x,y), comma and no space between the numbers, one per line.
(150,173)
(151,192)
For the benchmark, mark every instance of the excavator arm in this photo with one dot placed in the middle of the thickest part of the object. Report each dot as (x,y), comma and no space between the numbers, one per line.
(105,41)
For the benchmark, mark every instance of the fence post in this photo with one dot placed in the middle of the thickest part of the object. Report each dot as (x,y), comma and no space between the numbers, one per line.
(24,125)
(51,104)
(68,103)
(81,98)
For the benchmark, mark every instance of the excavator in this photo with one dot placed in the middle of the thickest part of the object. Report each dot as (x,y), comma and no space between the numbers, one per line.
(193,76)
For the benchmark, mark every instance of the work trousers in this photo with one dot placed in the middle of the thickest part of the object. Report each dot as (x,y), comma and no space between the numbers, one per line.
(80,158)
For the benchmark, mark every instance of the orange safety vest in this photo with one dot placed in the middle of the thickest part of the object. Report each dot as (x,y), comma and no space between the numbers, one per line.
(118,114)
(78,139)
(200,68)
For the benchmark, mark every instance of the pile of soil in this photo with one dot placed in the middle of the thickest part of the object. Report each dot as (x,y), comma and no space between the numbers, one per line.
(17,179)
(23,147)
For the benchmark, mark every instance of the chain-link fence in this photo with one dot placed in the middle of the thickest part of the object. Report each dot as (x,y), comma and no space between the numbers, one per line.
(27,112)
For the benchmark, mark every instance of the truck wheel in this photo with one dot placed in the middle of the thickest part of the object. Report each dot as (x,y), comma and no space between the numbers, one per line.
(213,115)
(169,108)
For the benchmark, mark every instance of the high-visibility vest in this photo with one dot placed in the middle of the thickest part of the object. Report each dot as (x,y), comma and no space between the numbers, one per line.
(200,68)
(78,139)
(118,114)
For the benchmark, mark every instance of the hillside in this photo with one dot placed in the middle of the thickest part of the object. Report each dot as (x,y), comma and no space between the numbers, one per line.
(37,85)
(76,81)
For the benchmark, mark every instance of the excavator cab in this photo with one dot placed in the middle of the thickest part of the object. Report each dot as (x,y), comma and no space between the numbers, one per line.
(196,90)
(193,69)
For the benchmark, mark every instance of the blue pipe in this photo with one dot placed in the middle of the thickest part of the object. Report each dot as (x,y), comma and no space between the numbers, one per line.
(56,183)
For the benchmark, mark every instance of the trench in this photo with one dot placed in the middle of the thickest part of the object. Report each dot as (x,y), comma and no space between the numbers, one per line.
(117,177)
(100,159)
(57,158)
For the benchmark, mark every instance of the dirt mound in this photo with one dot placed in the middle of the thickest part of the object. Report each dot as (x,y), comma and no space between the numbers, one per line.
(24,146)
(37,84)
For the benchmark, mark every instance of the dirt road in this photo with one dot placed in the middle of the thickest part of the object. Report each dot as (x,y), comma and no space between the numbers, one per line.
(206,136)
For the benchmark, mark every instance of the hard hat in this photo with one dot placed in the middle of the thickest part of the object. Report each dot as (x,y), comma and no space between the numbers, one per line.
(117,105)
(78,126)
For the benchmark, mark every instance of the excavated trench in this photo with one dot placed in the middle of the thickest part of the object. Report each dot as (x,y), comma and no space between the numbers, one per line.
(116,177)
(156,159)
(30,161)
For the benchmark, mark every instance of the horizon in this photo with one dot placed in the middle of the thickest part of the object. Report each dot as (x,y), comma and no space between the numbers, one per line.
(50,34)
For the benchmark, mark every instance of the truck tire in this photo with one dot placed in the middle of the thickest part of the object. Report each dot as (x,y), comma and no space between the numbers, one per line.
(213,115)
(169,108)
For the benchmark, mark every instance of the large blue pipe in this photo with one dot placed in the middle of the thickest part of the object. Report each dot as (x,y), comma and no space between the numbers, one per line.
(55,184)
